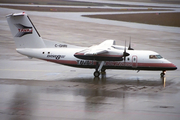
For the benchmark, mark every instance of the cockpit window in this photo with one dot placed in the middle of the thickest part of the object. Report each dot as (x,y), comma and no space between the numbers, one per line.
(159,56)
(155,57)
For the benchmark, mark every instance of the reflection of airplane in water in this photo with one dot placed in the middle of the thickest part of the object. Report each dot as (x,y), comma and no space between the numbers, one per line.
(104,56)
(164,81)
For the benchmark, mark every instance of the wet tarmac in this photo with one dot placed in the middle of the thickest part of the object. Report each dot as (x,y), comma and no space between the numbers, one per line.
(31,92)
(33,89)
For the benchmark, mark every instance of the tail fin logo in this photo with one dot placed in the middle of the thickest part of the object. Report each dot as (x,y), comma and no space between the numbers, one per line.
(23,30)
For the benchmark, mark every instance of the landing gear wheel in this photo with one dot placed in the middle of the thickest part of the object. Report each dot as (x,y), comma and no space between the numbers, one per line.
(96,74)
(163,73)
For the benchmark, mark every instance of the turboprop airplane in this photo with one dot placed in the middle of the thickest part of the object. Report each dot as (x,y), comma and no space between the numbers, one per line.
(104,56)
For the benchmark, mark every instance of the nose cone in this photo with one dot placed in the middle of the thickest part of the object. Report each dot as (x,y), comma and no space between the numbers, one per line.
(168,65)
(173,67)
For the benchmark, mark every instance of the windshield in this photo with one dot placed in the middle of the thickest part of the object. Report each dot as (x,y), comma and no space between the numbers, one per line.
(155,57)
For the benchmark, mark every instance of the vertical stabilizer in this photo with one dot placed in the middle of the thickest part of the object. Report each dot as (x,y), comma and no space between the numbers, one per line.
(24,32)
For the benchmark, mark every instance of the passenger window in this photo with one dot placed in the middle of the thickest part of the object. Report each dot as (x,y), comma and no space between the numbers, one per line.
(128,59)
(48,52)
(134,59)
(42,52)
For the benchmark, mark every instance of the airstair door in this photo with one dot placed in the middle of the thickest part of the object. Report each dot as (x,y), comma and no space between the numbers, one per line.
(134,61)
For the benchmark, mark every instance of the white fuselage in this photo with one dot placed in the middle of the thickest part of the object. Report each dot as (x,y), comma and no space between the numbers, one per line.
(137,60)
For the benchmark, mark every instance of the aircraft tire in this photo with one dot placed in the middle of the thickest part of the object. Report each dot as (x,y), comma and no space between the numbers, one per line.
(162,74)
(96,74)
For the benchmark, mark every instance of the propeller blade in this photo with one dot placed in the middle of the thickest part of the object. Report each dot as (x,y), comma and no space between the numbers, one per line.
(129,48)
(125,53)
(124,48)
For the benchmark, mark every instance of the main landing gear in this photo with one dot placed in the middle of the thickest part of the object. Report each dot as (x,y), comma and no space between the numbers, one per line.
(98,68)
(96,73)
(163,73)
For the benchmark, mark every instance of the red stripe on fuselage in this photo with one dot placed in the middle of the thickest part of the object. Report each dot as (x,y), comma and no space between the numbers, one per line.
(68,62)
(155,65)
(143,66)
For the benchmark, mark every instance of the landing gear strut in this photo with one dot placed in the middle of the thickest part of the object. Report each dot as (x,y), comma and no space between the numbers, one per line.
(98,68)
(163,73)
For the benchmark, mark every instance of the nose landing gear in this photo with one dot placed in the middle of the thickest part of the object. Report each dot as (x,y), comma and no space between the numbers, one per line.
(163,73)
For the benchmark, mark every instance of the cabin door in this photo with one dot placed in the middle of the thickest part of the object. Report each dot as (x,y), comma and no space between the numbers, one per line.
(134,61)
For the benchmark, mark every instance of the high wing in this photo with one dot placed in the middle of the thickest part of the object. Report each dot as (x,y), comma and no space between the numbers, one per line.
(95,51)
(101,52)
(100,49)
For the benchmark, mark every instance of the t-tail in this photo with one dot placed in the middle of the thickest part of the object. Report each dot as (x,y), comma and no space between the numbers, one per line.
(24,32)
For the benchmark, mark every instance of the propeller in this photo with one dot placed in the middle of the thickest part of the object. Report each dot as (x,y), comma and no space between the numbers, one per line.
(125,53)
(129,48)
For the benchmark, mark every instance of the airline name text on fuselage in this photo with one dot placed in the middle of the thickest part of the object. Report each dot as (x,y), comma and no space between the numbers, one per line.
(57,57)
